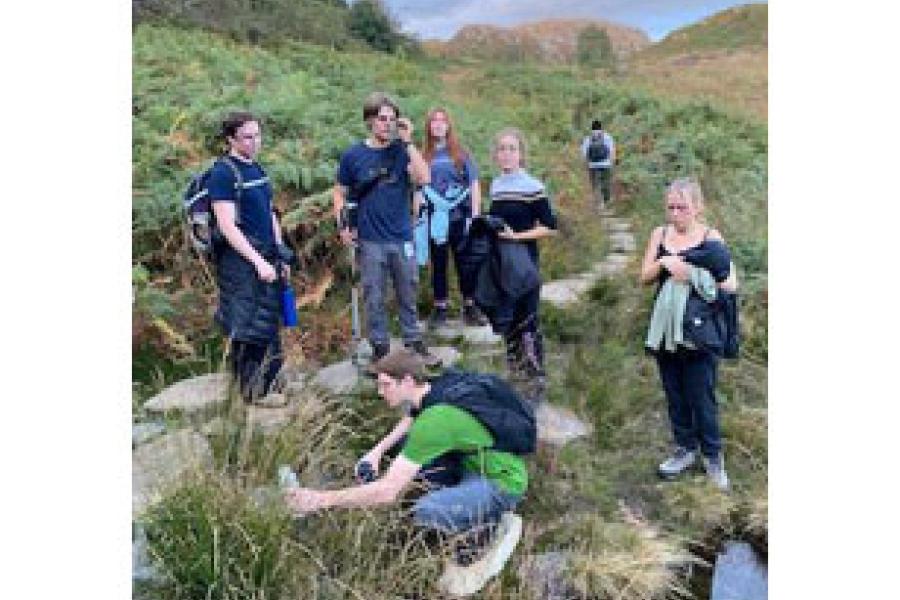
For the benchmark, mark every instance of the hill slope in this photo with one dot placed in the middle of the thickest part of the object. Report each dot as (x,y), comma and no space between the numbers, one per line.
(553,41)
(722,59)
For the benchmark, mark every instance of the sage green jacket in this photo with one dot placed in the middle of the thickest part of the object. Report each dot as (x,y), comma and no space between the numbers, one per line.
(668,310)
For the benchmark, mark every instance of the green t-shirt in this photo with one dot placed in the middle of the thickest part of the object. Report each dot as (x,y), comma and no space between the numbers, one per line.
(443,428)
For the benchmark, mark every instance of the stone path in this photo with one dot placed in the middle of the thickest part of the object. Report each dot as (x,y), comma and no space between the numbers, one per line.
(566,292)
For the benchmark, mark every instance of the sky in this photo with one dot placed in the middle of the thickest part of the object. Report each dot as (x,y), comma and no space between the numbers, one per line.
(440,19)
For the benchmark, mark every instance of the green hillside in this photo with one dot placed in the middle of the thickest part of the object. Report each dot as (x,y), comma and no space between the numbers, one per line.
(213,542)
(741,27)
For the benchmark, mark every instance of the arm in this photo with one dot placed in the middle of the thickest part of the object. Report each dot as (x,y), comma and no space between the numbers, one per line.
(418,169)
(338,198)
(475,191)
(535,233)
(225,212)
(731,283)
(374,455)
(650,266)
(382,491)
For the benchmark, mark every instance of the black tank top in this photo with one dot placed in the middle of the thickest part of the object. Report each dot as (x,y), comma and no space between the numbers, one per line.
(661,251)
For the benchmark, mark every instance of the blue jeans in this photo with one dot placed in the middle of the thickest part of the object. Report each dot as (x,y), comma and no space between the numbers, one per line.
(475,501)
(689,380)
(378,260)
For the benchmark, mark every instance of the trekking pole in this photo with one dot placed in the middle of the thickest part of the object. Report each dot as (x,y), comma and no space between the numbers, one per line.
(355,332)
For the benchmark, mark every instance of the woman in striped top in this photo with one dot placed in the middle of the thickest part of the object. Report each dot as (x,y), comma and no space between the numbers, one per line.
(522,202)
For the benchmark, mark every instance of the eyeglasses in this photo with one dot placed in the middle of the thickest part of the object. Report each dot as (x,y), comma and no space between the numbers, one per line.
(250,136)
(386,118)
(678,207)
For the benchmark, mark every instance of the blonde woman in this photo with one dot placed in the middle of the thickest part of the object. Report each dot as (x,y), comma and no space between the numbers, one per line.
(686,250)
(523,204)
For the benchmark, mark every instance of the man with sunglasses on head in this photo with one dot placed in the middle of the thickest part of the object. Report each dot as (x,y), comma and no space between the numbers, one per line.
(376,176)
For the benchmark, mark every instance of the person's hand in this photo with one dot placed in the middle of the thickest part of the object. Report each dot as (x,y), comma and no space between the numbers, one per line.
(404,130)
(347,236)
(304,500)
(286,271)
(373,457)
(507,233)
(266,271)
(679,269)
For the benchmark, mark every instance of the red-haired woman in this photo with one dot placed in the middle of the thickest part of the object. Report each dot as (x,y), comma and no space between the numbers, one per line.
(453,175)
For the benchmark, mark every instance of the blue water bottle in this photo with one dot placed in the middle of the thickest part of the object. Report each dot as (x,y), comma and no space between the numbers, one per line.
(288,306)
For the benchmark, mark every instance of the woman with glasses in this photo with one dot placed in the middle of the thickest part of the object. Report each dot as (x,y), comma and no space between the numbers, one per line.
(523,204)
(685,257)
(454,178)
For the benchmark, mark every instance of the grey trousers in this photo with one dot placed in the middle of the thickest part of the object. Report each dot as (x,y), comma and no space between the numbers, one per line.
(601,180)
(377,261)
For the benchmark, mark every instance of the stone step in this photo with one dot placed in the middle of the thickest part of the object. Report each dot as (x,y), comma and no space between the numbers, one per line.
(622,243)
(564,292)
(196,394)
(343,377)
(558,426)
(455,329)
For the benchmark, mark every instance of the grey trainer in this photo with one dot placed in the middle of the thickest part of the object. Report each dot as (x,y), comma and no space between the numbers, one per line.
(715,470)
(676,464)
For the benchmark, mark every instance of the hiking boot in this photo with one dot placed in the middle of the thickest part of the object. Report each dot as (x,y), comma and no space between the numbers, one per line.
(379,351)
(438,317)
(418,347)
(715,470)
(464,581)
(473,317)
(677,463)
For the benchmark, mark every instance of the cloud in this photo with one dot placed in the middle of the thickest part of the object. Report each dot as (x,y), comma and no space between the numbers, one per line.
(441,19)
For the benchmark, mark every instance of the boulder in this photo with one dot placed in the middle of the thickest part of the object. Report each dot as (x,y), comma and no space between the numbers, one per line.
(339,378)
(141,433)
(197,394)
(738,574)
(159,466)
(557,425)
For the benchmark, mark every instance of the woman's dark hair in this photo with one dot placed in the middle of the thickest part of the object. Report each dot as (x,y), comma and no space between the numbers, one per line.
(596,125)
(234,121)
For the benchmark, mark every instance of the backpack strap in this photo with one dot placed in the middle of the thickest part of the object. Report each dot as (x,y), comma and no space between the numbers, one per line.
(238,186)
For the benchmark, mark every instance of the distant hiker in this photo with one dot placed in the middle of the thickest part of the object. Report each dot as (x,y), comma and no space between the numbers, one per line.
(247,252)
(599,150)
(465,432)
(454,180)
(522,203)
(692,266)
(375,179)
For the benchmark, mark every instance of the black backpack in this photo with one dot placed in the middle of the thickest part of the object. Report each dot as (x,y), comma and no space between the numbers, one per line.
(597,149)
(197,208)
(496,405)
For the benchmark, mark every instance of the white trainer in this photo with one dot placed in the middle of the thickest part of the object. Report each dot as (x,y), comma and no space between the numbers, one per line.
(465,581)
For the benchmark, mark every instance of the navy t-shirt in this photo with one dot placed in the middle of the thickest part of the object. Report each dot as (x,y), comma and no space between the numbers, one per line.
(444,174)
(384,213)
(255,217)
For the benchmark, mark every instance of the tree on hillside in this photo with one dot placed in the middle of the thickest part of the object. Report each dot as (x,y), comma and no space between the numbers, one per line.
(594,48)
(369,21)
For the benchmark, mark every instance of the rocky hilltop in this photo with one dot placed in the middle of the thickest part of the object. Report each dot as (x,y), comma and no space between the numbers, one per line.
(550,41)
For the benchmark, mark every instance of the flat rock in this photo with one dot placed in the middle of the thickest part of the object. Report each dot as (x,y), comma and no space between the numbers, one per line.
(607,268)
(617,224)
(159,466)
(141,433)
(544,574)
(622,242)
(270,420)
(344,377)
(738,574)
(557,425)
(617,259)
(455,329)
(564,292)
(338,378)
(197,394)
